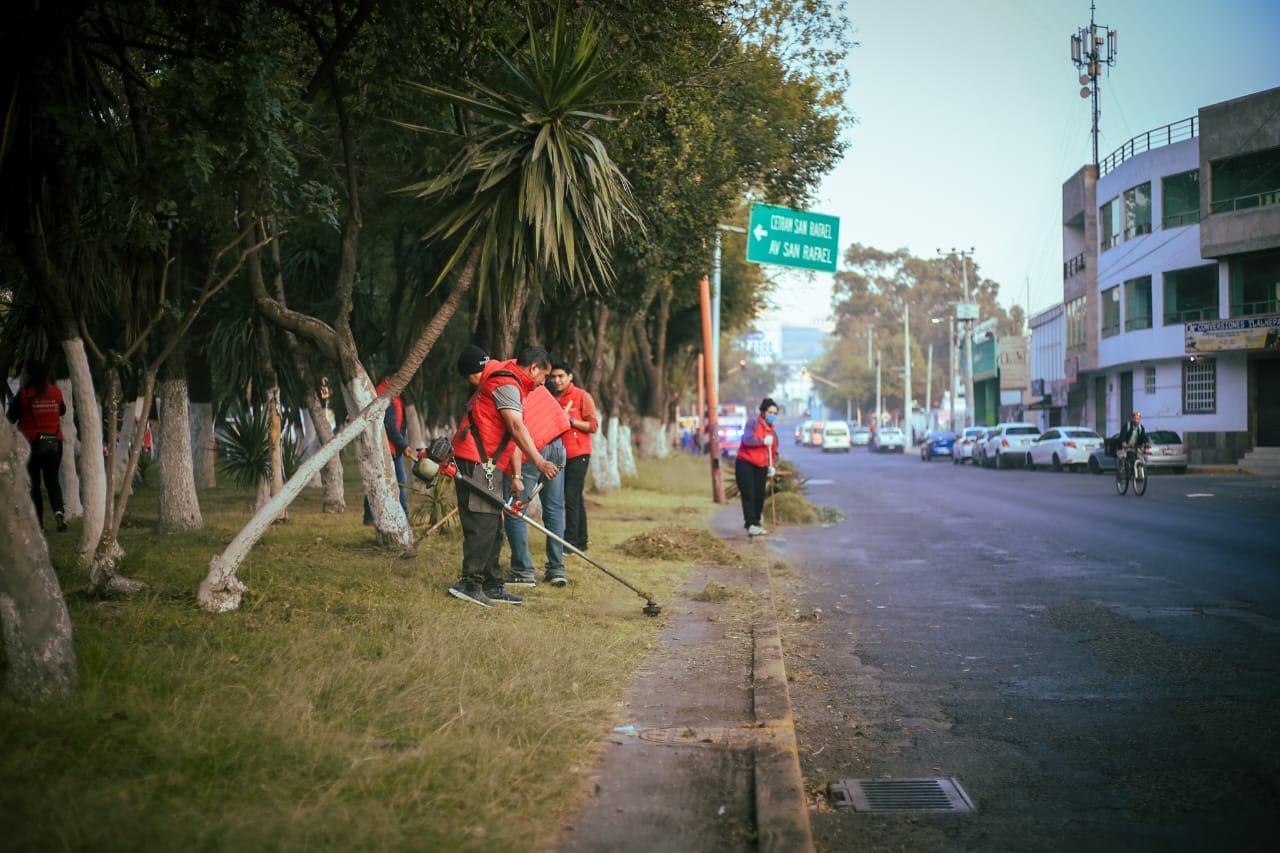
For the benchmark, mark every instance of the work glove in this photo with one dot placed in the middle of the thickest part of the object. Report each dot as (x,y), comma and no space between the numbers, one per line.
(768,440)
(772,471)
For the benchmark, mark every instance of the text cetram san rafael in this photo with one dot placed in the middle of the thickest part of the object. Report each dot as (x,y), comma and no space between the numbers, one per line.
(801,227)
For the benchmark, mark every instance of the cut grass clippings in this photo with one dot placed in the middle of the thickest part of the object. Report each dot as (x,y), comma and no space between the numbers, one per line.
(350,703)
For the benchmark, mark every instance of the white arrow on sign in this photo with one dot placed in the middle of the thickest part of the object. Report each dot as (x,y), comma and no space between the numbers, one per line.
(760,232)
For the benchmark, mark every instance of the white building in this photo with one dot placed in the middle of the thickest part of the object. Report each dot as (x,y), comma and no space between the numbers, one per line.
(1171,292)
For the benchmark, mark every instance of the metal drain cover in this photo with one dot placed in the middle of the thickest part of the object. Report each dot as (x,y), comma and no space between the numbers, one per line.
(900,795)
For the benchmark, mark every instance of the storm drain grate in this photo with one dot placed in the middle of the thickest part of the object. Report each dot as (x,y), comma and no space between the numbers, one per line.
(900,795)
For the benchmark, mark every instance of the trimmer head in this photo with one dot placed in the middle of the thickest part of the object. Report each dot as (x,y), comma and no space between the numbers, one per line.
(652,609)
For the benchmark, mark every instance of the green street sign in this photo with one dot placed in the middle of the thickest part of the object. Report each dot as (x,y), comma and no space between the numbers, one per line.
(793,238)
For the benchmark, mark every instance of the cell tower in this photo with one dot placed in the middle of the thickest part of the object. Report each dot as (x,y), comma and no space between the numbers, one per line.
(1092,47)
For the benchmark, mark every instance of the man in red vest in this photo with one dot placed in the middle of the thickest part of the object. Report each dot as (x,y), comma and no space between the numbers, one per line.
(37,410)
(583,423)
(483,445)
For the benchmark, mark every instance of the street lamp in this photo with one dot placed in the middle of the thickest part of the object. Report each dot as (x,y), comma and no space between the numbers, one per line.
(966,312)
(848,396)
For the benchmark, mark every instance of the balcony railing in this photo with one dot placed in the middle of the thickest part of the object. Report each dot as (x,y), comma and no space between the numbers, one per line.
(1244,202)
(1176,220)
(1161,136)
(1251,309)
(1191,315)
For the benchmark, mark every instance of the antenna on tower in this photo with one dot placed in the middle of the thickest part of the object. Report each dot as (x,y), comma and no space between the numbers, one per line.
(1092,47)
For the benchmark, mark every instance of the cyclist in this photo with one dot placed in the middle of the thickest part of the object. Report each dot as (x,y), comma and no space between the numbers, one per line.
(1133,437)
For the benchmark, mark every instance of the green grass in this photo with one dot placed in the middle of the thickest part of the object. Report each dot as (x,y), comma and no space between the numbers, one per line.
(349,703)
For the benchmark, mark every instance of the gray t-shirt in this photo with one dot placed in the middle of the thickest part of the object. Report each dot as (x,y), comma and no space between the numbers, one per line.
(507,396)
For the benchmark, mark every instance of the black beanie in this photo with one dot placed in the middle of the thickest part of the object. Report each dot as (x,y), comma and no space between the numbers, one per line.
(472,360)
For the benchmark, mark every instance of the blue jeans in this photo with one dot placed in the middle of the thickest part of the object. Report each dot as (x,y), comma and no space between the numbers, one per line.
(552,497)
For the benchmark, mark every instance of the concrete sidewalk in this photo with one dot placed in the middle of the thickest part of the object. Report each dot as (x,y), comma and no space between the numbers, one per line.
(706,759)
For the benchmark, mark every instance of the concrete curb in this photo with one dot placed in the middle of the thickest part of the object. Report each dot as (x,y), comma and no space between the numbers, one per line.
(782,809)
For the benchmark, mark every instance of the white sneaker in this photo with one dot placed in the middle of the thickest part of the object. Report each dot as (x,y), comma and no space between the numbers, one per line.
(756,530)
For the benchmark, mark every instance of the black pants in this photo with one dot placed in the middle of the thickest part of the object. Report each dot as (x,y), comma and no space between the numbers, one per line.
(575,507)
(482,536)
(46,459)
(752,481)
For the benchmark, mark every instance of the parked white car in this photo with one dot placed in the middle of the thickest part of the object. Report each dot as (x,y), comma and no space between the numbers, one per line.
(835,436)
(1060,447)
(890,440)
(965,443)
(1006,444)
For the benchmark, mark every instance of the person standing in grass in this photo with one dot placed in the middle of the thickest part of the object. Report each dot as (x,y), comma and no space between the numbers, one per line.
(583,423)
(754,466)
(546,423)
(484,445)
(37,409)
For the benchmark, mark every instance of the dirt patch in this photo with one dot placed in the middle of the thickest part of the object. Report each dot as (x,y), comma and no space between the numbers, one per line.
(681,543)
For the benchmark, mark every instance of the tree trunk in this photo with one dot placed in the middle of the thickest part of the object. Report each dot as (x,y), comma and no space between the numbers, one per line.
(221,590)
(73,508)
(380,488)
(626,452)
(604,459)
(33,615)
(179,504)
(205,454)
(93,467)
(652,438)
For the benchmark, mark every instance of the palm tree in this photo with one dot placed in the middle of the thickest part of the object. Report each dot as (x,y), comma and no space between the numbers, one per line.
(532,192)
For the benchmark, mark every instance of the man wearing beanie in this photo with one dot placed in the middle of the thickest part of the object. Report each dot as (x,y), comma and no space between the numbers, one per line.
(483,445)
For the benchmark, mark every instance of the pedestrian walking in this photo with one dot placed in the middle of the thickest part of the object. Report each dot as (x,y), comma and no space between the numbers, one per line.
(583,423)
(37,409)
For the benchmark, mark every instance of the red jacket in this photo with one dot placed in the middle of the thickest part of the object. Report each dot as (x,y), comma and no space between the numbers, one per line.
(753,449)
(579,406)
(39,412)
(482,415)
(393,422)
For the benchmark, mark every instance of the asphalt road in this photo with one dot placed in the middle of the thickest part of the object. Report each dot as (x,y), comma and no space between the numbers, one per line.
(1097,672)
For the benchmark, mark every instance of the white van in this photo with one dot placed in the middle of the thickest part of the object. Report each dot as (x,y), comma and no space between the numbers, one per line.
(835,436)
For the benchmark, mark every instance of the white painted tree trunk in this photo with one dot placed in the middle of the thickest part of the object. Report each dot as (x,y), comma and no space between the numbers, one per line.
(221,590)
(130,423)
(33,615)
(604,459)
(310,444)
(626,452)
(380,487)
(652,438)
(93,469)
(415,430)
(72,506)
(179,505)
(202,447)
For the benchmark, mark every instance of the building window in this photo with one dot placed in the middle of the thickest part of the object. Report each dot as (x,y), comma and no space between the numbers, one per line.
(1111,312)
(1200,386)
(1255,285)
(1180,199)
(1077,329)
(1250,180)
(1137,211)
(1191,294)
(1137,303)
(1109,224)
(1149,380)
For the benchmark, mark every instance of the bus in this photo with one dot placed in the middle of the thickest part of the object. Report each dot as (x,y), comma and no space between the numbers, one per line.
(732,420)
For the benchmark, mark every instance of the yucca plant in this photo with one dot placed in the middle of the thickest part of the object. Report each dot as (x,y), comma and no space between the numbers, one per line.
(245,455)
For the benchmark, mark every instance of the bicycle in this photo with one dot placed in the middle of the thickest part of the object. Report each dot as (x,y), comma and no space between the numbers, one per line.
(1130,468)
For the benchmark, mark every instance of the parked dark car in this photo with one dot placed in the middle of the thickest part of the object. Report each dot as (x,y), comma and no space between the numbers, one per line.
(937,443)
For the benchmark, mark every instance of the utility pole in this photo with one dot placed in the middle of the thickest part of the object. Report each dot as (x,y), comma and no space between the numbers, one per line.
(1092,47)
(928,390)
(906,372)
(879,405)
(966,313)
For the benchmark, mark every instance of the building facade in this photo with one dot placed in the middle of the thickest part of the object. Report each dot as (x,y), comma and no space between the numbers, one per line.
(1171,282)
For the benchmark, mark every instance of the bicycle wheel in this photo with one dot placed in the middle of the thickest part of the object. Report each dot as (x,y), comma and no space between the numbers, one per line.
(1139,478)
(1122,477)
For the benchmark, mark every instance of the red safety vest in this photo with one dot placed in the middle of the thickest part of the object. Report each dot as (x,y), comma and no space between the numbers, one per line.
(758,454)
(399,410)
(543,417)
(579,406)
(40,412)
(482,416)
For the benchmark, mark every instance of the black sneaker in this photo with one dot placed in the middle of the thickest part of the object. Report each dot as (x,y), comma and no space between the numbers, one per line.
(498,595)
(62,522)
(555,580)
(527,583)
(472,594)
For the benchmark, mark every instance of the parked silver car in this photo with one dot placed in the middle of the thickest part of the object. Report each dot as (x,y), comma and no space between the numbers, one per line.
(1006,444)
(1167,451)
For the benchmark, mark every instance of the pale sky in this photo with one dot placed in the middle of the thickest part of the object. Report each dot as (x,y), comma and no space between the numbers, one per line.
(970,120)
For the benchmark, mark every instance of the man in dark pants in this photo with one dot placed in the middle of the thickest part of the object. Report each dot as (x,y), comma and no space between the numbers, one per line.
(583,423)
(483,446)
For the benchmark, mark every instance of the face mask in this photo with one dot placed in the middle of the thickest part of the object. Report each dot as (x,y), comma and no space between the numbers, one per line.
(769,419)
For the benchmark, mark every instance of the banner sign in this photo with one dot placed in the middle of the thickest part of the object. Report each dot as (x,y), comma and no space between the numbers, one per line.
(1244,333)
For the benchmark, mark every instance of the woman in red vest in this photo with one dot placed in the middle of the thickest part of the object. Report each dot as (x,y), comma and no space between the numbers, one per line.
(755,465)
(37,410)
